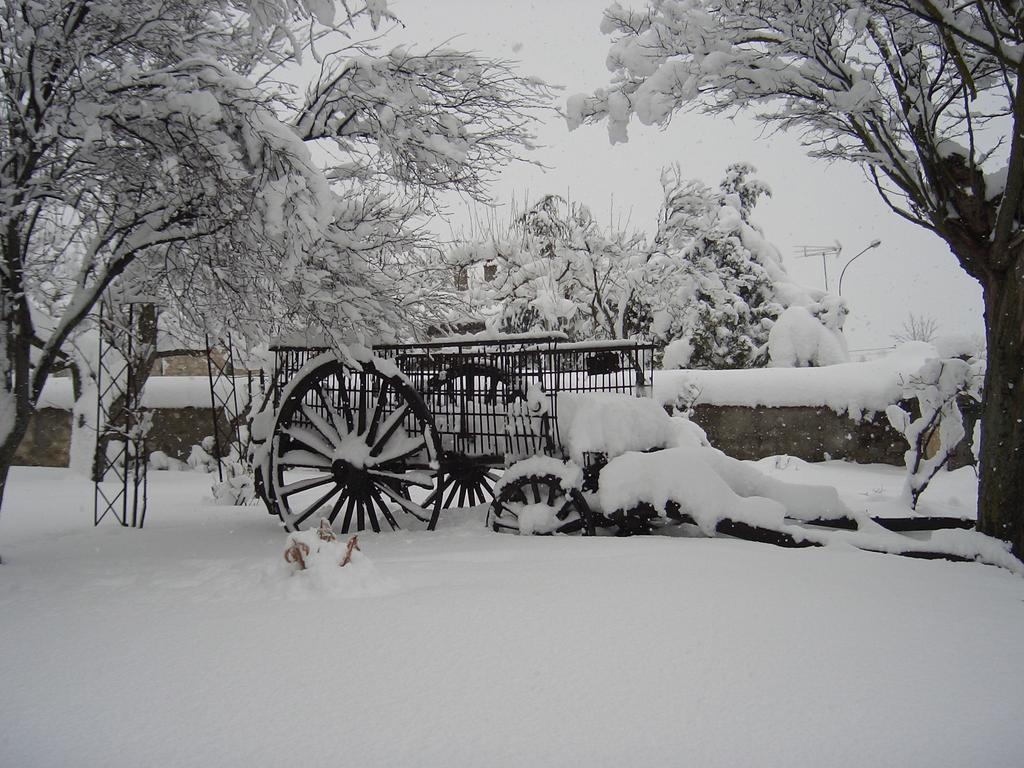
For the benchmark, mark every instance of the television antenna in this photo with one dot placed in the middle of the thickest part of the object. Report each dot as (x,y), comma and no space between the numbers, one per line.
(824,251)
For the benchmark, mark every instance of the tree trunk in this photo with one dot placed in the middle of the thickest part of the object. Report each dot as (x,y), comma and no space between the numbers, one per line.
(1001,492)
(13,438)
(9,447)
(15,370)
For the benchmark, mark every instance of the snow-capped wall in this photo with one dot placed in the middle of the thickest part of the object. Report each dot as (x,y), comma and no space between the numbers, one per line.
(853,389)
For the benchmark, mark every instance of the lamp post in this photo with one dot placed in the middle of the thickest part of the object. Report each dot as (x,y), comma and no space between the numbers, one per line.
(872,244)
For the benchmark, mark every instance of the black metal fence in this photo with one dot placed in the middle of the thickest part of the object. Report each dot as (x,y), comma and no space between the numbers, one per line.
(494,401)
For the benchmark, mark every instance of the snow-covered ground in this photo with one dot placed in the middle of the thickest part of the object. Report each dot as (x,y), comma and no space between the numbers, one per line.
(189,644)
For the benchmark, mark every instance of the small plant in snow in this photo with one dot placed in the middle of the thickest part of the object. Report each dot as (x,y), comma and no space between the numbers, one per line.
(936,386)
(687,393)
(308,549)
(786,463)
(237,488)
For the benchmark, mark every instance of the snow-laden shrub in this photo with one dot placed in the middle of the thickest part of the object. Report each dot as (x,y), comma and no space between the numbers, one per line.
(685,394)
(809,336)
(677,354)
(160,461)
(238,487)
(201,456)
(712,280)
(937,386)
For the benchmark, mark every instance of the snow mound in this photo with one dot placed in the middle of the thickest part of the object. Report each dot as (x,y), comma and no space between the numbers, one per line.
(160,461)
(613,424)
(709,487)
(800,339)
(569,474)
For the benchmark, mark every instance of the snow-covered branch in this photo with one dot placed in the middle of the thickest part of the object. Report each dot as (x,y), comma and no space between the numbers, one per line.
(435,121)
(918,92)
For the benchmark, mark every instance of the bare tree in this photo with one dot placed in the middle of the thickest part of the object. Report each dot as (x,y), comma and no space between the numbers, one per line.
(926,95)
(917,328)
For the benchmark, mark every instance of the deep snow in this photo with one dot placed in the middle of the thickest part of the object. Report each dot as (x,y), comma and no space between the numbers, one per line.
(189,644)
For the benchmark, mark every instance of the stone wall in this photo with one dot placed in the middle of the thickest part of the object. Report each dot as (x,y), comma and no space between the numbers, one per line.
(174,431)
(812,434)
(818,434)
(47,441)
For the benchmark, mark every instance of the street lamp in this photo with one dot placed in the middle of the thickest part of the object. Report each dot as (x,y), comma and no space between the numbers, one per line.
(872,244)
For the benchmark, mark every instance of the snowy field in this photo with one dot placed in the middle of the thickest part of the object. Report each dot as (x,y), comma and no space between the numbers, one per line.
(188,643)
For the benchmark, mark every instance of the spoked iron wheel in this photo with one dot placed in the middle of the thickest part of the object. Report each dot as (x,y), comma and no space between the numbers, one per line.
(539,504)
(353,445)
(469,403)
(466,483)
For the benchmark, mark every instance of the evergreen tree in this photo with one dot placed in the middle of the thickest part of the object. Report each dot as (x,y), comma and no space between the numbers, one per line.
(720,298)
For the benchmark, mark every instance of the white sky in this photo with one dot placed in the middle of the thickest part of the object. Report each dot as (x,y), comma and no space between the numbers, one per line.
(813,203)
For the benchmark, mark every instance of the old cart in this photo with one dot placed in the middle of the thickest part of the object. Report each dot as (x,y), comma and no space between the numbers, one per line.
(413,429)
(419,428)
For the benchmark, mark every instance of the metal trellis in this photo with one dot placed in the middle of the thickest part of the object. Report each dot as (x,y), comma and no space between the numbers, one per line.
(224,410)
(121,459)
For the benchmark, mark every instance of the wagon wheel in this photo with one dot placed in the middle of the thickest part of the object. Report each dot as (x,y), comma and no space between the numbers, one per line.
(543,505)
(482,381)
(466,483)
(637,521)
(352,442)
(469,461)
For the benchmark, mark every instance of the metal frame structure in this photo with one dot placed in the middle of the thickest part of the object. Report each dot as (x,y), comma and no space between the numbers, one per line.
(442,415)
(121,422)
(469,386)
(224,410)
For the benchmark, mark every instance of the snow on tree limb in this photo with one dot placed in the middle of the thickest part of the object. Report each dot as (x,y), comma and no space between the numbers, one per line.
(439,120)
(871,82)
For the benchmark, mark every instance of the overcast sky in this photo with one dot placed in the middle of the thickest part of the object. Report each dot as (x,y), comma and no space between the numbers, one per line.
(813,203)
